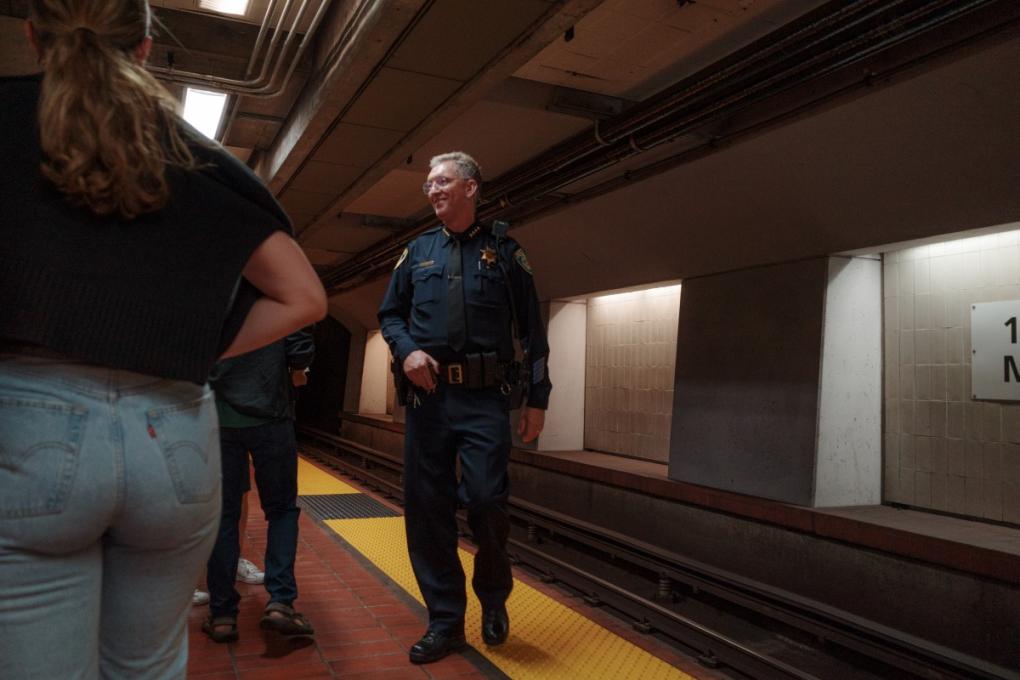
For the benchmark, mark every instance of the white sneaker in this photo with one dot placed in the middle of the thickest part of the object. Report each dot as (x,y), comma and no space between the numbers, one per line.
(249,573)
(199,598)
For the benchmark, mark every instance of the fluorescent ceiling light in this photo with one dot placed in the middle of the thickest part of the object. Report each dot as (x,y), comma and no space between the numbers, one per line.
(204,110)
(238,7)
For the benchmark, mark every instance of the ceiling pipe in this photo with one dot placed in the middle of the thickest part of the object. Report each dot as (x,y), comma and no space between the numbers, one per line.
(227,84)
(861,47)
(266,84)
(805,35)
(924,16)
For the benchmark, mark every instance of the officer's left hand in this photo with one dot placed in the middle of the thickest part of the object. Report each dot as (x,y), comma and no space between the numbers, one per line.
(531,423)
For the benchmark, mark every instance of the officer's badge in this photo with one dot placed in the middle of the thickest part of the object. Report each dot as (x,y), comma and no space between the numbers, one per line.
(488,256)
(522,260)
(403,256)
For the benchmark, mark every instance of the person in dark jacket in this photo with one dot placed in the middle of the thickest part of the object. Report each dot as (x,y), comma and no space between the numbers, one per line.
(456,296)
(132,255)
(255,401)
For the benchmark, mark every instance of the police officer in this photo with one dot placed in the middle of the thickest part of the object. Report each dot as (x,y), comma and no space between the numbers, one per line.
(457,294)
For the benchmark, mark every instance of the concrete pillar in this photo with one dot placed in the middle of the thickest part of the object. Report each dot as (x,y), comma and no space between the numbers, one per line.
(375,375)
(355,368)
(848,467)
(564,421)
(778,382)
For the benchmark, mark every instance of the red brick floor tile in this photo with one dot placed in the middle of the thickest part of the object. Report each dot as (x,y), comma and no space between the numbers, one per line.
(411,673)
(301,671)
(281,654)
(218,664)
(220,675)
(355,650)
(402,619)
(372,663)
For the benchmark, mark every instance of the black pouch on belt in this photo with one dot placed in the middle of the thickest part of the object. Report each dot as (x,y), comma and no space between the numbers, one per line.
(490,369)
(473,368)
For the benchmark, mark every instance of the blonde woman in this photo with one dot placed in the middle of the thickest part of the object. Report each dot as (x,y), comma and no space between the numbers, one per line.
(132,257)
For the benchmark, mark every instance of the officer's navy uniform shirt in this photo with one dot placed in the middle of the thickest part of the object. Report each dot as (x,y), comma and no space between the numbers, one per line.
(413,314)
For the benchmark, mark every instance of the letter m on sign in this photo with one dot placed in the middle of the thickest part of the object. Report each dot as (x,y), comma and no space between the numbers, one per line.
(1010,367)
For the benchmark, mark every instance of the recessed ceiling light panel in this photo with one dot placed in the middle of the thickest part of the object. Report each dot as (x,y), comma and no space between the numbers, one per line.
(204,110)
(235,7)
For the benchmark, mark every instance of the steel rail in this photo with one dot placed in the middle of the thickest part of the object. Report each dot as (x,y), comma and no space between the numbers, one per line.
(864,637)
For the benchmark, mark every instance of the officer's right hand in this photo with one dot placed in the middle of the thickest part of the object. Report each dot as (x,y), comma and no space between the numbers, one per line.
(421,369)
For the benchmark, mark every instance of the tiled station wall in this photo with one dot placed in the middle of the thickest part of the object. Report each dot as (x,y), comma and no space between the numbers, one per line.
(944,450)
(631,352)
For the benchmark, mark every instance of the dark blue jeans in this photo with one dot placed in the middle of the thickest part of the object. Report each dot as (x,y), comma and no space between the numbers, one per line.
(274,453)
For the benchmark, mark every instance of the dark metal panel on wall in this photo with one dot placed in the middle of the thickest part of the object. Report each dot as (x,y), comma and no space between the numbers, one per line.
(747,373)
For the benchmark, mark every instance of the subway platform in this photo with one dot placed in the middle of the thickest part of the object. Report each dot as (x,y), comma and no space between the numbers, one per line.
(357,589)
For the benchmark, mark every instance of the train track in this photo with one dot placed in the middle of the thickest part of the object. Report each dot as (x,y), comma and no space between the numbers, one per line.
(727,622)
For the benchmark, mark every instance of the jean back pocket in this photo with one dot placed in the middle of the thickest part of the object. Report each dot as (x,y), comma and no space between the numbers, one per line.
(188,436)
(39,446)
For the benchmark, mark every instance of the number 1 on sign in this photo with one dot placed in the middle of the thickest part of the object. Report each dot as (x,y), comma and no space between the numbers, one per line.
(1012,328)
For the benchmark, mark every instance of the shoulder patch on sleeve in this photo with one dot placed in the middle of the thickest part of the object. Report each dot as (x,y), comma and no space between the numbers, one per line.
(522,260)
(400,260)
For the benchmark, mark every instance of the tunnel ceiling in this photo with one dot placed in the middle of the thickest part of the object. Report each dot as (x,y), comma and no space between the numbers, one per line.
(385,85)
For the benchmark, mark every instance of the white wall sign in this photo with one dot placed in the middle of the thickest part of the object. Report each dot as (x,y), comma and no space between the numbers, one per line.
(995,359)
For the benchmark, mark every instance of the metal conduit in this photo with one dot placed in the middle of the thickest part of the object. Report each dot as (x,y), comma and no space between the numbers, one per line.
(677,110)
(267,83)
(662,104)
(816,67)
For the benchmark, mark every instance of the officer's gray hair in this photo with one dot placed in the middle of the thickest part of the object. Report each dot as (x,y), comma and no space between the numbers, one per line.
(467,167)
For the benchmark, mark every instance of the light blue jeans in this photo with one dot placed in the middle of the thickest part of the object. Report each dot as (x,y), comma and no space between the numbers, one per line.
(109,506)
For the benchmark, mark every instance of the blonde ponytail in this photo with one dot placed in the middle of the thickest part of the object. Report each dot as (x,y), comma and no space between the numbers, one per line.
(107,128)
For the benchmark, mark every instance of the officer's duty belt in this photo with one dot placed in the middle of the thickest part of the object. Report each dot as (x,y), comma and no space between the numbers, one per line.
(475,371)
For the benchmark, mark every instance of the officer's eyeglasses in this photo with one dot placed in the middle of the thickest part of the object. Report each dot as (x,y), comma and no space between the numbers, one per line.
(439,183)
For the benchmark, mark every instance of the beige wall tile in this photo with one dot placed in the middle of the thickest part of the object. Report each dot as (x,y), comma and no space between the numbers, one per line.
(991,426)
(891,484)
(922,489)
(975,497)
(907,417)
(939,464)
(992,497)
(922,312)
(939,491)
(630,387)
(956,500)
(955,419)
(956,457)
(907,375)
(906,312)
(922,417)
(906,278)
(922,454)
(907,457)
(991,461)
(974,459)
(1011,502)
(1011,463)
(922,382)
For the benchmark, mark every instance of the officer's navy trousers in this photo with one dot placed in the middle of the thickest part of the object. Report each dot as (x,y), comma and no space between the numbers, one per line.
(475,425)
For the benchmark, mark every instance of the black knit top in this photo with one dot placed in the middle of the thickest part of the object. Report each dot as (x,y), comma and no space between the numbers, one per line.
(157,294)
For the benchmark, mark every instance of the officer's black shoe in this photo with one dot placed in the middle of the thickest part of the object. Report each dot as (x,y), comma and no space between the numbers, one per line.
(495,626)
(436,644)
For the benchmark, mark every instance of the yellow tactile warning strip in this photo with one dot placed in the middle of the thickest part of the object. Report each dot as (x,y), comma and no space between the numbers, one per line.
(314,481)
(547,639)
